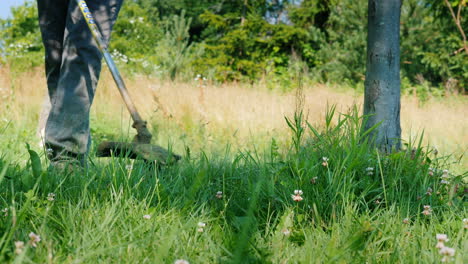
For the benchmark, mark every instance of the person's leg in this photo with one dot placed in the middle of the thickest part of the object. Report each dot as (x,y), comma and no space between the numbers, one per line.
(67,129)
(52,21)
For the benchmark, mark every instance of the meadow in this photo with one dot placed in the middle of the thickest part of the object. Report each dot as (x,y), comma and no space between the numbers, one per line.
(267,176)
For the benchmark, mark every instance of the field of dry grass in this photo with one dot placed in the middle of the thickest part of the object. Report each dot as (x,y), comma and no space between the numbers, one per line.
(210,116)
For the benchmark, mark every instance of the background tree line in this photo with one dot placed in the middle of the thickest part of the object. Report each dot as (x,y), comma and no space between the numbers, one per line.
(250,40)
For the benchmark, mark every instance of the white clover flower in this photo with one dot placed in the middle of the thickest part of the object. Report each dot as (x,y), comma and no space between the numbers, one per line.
(19,246)
(313,180)
(147,216)
(5,211)
(34,238)
(429,191)
(406,221)
(440,245)
(447,253)
(297,198)
(286,232)
(298,192)
(444,182)
(49,152)
(325,161)
(297,195)
(427,210)
(181,261)
(370,171)
(219,195)
(51,197)
(465,223)
(445,174)
(442,237)
(431,172)
(201,227)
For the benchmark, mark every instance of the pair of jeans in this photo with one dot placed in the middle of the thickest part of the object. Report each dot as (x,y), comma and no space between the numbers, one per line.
(73,66)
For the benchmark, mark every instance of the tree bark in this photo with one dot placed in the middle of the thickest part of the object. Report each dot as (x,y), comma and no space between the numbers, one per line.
(382,84)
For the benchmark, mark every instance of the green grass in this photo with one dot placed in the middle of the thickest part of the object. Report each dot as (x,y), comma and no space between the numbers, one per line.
(347,214)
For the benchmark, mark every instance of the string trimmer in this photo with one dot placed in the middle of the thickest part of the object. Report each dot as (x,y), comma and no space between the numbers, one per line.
(140,147)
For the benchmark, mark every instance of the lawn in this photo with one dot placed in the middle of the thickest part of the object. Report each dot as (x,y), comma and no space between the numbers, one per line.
(251,187)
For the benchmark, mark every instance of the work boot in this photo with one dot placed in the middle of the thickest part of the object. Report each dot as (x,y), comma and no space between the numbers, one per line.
(66,166)
(66,162)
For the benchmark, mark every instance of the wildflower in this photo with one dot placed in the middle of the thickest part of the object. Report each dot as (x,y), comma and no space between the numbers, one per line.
(465,223)
(51,197)
(286,232)
(201,227)
(413,153)
(129,167)
(447,253)
(441,239)
(370,171)
(429,191)
(147,216)
(5,211)
(431,172)
(19,246)
(297,195)
(198,78)
(325,161)
(444,182)
(313,180)
(445,174)
(49,152)
(219,195)
(435,150)
(34,238)
(377,201)
(406,221)
(181,261)
(427,210)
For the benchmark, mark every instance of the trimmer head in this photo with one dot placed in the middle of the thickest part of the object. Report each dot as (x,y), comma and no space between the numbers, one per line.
(146,152)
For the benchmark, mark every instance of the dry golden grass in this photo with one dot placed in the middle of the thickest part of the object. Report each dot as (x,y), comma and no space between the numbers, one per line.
(213,115)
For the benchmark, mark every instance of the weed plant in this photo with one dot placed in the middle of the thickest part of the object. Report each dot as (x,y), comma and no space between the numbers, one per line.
(328,198)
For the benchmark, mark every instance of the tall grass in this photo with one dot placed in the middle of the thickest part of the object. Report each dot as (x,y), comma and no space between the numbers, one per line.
(349,212)
(204,115)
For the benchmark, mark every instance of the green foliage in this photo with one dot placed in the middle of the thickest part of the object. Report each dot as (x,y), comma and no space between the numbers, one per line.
(174,52)
(248,50)
(341,49)
(133,39)
(255,40)
(21,44)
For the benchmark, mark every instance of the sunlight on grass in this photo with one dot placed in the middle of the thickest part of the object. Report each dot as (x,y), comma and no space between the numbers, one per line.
(251,187)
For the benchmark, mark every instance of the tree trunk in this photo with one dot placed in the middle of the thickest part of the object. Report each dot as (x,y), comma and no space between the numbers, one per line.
(382,85)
